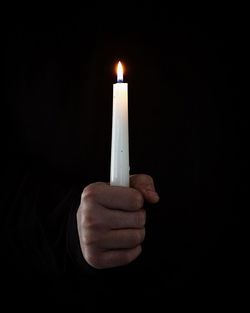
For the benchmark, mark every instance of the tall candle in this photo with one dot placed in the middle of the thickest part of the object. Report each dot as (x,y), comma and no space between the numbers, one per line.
(119,170)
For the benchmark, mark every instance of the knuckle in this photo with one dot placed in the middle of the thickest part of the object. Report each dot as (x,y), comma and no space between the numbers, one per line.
(128,257)
(86,218)
(137,202)
(131,256)
(148,178)
(95,260)
(89,193)
(140,218)
(139,236)
(89,221)
(89,239)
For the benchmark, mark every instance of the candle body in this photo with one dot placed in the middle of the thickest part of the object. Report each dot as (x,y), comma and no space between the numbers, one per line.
(119,171)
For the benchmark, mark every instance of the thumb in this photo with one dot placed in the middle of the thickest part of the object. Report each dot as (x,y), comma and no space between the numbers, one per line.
(145,184)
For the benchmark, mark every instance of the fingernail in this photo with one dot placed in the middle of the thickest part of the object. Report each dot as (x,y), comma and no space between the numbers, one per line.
(153,194)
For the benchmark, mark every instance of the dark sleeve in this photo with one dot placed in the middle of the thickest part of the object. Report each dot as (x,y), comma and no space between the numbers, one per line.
(40,225)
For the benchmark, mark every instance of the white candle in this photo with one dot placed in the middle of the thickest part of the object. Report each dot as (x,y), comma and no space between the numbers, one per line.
(119,171)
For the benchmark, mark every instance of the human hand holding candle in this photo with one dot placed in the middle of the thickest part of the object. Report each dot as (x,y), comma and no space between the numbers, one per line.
(111,221)
(111,217)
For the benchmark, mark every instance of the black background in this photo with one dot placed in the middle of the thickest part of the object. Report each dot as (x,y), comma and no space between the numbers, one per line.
(187,129)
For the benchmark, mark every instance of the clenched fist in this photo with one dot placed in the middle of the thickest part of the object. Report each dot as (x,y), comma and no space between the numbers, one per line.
(111,221)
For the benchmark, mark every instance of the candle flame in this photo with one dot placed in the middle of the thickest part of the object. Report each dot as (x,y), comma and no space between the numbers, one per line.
(119,72)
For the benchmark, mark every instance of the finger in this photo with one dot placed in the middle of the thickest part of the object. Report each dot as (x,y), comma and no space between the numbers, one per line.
(121,257)
(113,197)
(114,258)
(145,184)
(116,219)
(122,239)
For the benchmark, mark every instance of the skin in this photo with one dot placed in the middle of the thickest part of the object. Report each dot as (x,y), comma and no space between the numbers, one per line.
(111,221)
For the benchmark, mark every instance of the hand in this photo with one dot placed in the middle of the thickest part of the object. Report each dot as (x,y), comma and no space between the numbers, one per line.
(111,221)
